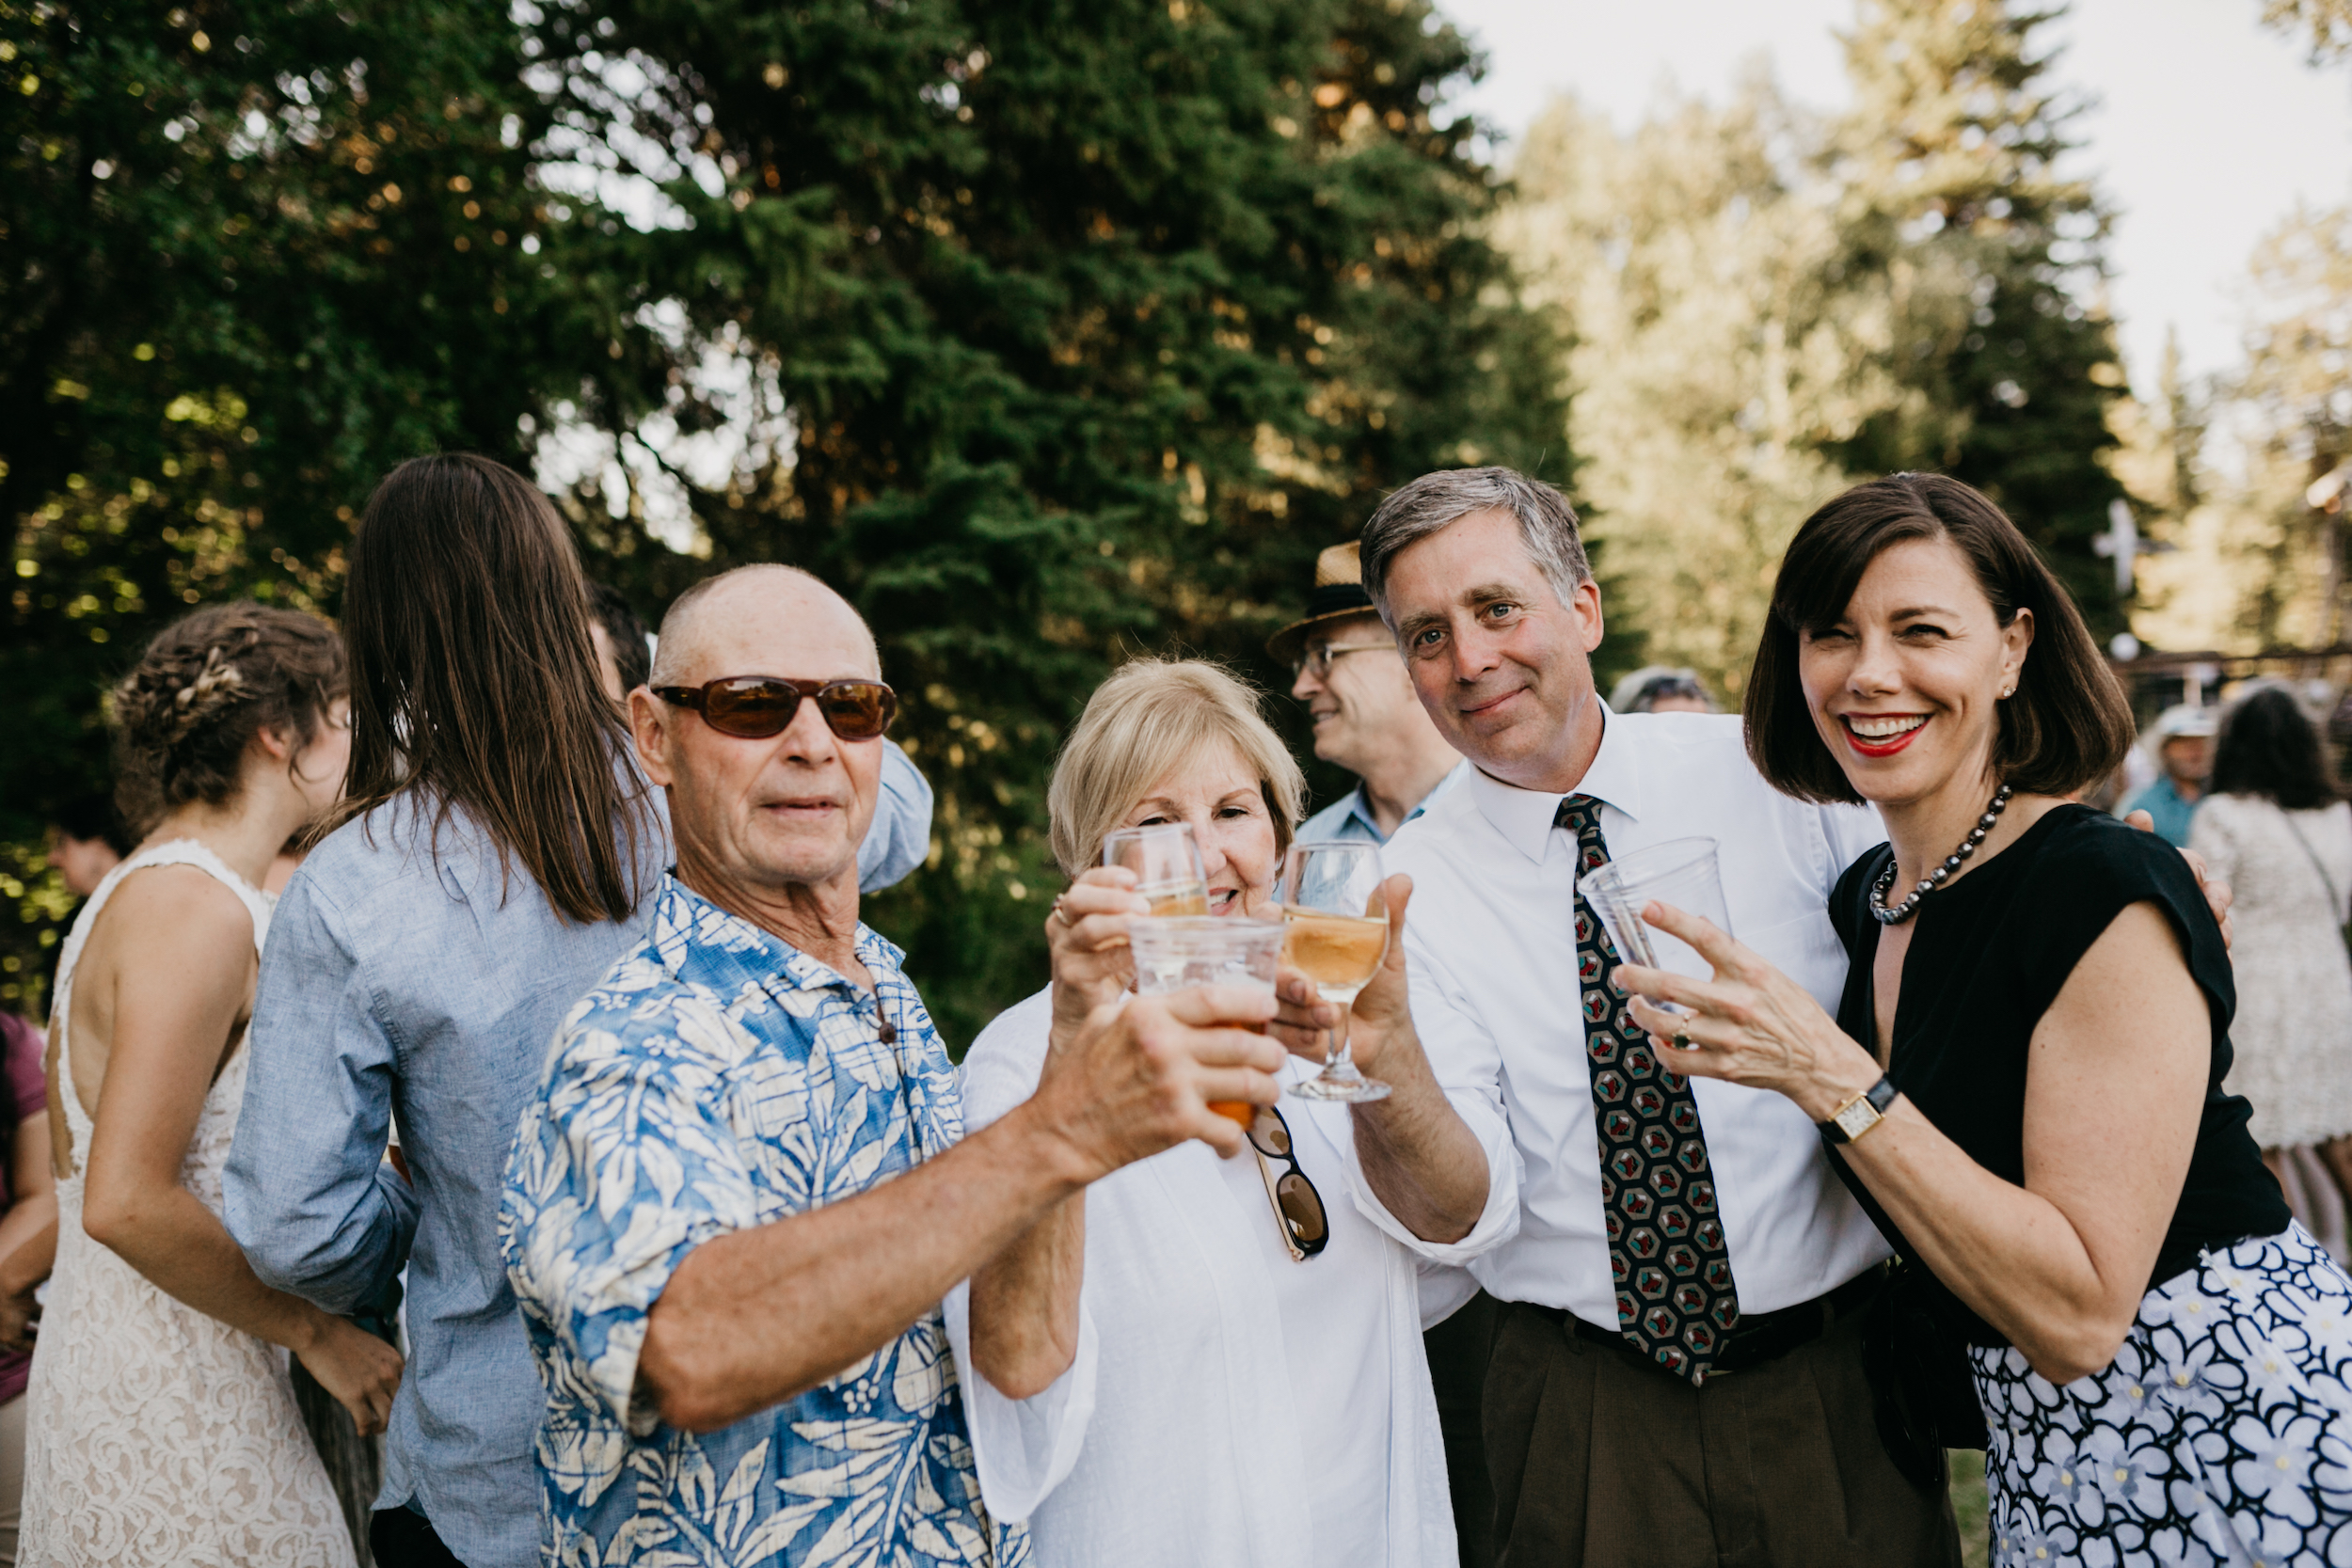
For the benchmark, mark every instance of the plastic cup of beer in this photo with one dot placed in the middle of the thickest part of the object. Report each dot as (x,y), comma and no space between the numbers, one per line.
(1166,861)
(1174,952)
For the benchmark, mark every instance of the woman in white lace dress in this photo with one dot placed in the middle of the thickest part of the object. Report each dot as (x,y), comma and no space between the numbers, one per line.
(2273,826)
(162,1427)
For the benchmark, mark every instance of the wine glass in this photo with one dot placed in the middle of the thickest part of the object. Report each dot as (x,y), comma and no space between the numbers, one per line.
(1336,932)
(1166,861)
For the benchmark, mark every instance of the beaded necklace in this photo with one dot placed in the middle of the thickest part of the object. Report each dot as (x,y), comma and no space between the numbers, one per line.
(1942,874)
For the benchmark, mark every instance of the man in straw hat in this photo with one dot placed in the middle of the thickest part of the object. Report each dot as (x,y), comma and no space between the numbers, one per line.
(1368,720)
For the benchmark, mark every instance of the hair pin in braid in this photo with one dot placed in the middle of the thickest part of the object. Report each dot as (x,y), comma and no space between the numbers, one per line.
(216,687)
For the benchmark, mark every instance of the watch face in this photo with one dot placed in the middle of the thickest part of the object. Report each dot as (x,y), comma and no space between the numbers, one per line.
(1857,1119)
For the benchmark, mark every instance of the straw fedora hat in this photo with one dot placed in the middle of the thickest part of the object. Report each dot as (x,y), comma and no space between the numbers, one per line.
(1339,595)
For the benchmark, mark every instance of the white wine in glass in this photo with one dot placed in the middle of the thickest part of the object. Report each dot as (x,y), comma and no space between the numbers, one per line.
(1336,933)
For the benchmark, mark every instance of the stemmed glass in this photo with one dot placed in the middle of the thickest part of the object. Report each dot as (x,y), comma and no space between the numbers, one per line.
(1336,933)
(1166,861)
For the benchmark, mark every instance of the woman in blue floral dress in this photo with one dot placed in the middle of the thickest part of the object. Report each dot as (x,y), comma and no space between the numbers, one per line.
(2037,1122)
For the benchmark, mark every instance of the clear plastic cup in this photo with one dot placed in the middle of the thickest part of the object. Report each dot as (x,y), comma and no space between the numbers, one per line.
(1174,952)
(1682,872)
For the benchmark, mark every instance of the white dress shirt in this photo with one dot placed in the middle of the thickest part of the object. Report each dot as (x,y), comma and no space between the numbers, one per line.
(1227,1406)
(1491,941)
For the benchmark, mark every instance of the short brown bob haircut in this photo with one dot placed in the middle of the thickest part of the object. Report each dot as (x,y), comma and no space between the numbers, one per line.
(2068,724)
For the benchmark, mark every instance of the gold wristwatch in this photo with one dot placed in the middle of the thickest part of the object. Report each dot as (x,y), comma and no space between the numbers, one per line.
(1859,1115)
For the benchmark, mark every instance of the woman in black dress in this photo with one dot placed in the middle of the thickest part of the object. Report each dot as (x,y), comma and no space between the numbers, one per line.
(2037,1116)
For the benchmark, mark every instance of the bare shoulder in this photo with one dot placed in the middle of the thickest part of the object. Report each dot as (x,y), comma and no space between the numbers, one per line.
(178,912)
(2132,987)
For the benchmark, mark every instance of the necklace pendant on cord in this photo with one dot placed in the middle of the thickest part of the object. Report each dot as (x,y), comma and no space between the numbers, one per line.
(1942,874)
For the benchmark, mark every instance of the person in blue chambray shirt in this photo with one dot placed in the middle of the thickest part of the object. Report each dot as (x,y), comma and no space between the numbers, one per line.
(498,852)
(743,1187)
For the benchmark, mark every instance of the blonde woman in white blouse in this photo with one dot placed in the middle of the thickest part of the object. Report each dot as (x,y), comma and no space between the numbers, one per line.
(2273,826)
(1228,1401)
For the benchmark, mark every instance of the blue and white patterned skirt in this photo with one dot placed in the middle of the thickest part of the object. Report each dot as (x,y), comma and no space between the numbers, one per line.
(2221,1434)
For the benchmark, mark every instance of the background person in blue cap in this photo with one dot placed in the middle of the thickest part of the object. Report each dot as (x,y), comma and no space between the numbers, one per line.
(2181,745)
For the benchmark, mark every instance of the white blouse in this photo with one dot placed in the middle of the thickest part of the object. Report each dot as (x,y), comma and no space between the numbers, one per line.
(1227,1404)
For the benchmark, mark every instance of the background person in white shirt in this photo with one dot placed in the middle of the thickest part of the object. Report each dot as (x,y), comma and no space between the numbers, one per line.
(1717,1438)
(1236,1389)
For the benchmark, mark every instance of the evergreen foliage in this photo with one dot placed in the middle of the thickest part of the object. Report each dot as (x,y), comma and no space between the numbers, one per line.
(251,255)
(1086,325)
(1992,258)
(1768,308)
(1048,333)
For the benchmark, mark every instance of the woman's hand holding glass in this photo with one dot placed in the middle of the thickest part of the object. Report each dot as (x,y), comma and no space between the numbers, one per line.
(1087,933)
(1749,1024)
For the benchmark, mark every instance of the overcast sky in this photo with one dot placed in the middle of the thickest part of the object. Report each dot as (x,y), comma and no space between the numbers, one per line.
(2206,127)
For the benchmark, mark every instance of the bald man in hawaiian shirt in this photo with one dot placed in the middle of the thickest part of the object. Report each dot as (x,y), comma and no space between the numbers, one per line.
(743,1188)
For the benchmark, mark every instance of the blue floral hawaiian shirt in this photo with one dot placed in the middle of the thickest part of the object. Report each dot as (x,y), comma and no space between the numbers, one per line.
(718,1079)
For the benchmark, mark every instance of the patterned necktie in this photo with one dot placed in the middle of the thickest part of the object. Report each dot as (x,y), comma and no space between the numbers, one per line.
(1676,1301)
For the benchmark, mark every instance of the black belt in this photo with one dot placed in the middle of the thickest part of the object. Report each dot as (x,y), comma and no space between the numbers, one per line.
(1760,1336)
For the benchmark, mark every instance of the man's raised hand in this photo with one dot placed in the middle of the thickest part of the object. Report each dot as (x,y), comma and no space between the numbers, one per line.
(1137,1077)
(1383,1009)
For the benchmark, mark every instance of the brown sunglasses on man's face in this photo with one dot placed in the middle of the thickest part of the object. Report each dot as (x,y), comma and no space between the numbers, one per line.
(754,707)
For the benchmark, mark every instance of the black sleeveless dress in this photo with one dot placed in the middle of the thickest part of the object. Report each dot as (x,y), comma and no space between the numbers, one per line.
(2222,1430)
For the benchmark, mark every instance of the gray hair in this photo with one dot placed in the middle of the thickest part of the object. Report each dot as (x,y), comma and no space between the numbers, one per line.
(1436,502)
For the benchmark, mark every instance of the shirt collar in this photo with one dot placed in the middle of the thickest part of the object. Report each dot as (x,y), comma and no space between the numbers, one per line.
(700,942)
(1360,805)
(1525,817)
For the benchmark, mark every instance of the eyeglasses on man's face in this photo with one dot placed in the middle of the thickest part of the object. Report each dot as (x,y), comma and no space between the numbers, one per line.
(1317,659)
(754,707)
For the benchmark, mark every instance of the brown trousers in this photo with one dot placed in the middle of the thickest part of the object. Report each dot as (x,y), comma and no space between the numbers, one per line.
(1600,1462)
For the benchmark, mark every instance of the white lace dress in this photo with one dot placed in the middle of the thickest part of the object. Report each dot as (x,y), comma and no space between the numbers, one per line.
(2292,873)
(155,1434)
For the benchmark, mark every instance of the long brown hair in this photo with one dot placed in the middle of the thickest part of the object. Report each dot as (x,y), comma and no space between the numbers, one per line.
(474,681)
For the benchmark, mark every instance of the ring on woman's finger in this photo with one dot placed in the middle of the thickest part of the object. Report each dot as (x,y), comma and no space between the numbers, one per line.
(1683,1041)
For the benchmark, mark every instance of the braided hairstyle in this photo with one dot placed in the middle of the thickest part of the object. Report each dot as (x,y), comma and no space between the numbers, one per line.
(207,685)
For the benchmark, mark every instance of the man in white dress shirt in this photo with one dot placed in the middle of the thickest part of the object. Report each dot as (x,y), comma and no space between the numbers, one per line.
(1677,1377)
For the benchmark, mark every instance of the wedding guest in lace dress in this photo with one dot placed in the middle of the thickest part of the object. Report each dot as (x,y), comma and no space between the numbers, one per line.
(161,1425)
(2274,826)
(2022,1082)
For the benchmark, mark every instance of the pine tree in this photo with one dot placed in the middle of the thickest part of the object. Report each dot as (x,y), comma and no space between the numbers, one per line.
(2326,26)
(1089,325)
(1720,354)
(250,255)
(1993,262)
